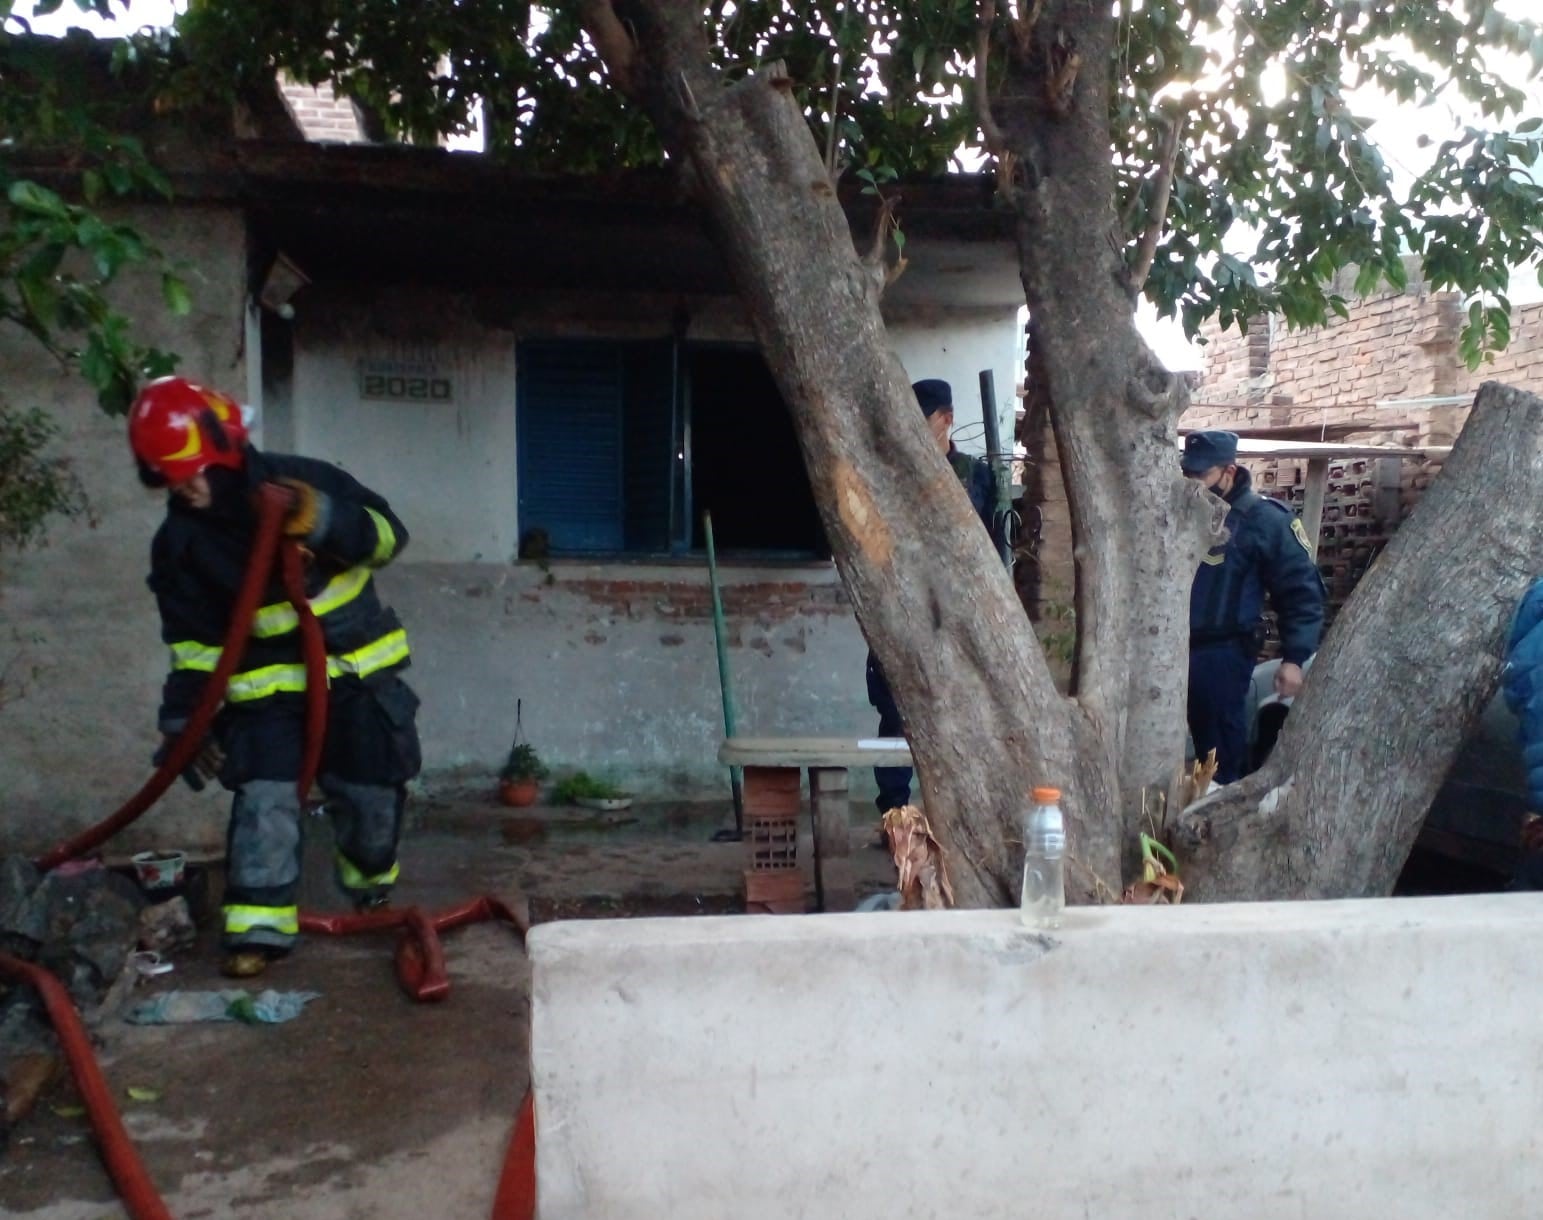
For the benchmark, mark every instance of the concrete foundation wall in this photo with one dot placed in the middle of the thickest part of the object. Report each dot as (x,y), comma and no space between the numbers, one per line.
(617,667)
(1269,1061)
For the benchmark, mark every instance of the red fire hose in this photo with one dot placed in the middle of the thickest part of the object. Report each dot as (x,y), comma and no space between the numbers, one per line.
(420,957)
(272,505)
(123,1164)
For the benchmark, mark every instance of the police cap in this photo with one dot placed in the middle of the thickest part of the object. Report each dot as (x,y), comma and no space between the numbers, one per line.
(933,395)
(1213,447)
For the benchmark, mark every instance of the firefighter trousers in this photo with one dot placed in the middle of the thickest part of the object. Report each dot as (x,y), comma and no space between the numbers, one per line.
(371,750)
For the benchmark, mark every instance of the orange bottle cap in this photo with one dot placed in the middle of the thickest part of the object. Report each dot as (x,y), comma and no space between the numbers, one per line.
(1045,796)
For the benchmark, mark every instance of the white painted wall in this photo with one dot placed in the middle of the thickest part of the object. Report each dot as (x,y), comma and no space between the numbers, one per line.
(80,641)
(1270,1061)
(448,468)
(956,346)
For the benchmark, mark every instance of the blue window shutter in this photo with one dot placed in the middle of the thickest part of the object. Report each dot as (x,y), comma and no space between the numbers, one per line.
(569,426)
(649,429)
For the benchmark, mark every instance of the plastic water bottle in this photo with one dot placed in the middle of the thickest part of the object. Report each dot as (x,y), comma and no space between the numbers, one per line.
(1044,860)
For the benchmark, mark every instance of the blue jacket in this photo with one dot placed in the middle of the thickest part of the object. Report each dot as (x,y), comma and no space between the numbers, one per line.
(1266,552)
(1522,683)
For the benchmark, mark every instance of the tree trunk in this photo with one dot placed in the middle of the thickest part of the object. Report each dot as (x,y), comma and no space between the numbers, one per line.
(1410,662)
(1139,529)
(982,713)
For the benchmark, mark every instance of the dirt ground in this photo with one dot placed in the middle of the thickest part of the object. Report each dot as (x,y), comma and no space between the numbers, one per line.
(367,1104)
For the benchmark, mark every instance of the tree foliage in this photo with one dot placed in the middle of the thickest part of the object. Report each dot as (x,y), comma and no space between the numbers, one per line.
(59,258)
(35,486)
(1277,187)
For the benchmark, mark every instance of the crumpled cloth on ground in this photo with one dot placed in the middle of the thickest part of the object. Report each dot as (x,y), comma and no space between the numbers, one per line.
(184,1007)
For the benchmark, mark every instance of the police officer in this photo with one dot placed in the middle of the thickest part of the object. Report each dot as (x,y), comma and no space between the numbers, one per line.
(1266,551)
(936,399)
(193,441)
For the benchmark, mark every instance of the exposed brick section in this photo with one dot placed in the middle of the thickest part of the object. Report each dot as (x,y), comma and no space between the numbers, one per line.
(1394,345)
(320,113)
(764,601)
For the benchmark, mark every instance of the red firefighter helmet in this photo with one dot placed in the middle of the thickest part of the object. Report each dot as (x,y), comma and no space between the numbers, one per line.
(178,429)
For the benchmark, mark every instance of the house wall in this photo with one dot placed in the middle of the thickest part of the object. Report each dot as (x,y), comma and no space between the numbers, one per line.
(1394,345)
(615,662)
(80,645)
(956,346)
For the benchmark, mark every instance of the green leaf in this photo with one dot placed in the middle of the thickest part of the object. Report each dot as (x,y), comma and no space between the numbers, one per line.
(41,300)
(139,1092)
(175,293)
(31,198)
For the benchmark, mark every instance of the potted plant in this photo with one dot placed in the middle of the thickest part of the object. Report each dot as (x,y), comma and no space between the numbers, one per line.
(583,789)
(521,773)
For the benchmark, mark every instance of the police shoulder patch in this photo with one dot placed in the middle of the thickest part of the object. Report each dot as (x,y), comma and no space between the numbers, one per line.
(1299,532)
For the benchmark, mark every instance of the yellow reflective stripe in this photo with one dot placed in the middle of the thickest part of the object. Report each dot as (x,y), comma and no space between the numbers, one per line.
(385,540)
(390,649)
(280,617)
(280,919)
(269,680)
(190,654)
(353,879)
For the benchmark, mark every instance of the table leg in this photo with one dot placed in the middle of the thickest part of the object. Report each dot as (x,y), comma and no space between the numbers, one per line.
(830,813)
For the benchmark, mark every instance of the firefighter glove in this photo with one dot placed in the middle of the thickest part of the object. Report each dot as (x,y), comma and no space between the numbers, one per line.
(309,510)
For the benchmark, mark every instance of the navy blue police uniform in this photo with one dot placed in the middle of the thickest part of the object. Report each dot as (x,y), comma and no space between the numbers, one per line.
(1266,553)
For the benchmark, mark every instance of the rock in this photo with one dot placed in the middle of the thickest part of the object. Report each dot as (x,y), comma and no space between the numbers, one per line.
(26,1077)
(81,922)
(167,927)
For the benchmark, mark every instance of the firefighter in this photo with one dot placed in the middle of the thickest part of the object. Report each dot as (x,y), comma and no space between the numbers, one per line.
(193,442)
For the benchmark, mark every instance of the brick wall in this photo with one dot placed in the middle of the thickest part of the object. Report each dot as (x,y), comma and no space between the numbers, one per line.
(321,114)
(1326,382)
(1395,345)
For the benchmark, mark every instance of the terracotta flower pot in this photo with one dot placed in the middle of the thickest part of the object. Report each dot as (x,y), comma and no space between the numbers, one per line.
(518,792)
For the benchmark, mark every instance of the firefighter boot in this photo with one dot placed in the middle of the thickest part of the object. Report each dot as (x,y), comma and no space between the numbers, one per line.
(244,964)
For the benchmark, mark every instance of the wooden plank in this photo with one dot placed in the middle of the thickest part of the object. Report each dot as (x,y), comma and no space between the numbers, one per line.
(1312,500)
(806,752)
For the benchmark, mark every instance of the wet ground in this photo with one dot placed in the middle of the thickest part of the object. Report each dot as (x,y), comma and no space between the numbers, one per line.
(368,1105)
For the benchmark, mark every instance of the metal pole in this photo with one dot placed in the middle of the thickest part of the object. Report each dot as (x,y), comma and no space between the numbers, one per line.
(725,686)
(1001,467)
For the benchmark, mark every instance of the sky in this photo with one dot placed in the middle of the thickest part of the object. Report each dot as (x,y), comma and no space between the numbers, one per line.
(1407,136)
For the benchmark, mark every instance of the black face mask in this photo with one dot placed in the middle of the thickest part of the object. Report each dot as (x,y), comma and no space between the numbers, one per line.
(229,497)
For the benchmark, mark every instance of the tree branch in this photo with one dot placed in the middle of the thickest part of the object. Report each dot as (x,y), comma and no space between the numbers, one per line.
(613,41)
(877,259)
(1162,192)
(1023,26)
(990,132)
(835,106)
